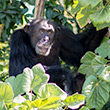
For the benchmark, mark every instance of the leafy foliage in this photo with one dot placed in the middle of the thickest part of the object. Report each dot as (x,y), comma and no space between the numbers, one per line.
(11,12)
(46,95)
(96,10)
(96,88)
(56,12)
(4,59)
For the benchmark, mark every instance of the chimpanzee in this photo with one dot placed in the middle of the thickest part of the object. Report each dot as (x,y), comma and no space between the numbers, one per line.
(42,41)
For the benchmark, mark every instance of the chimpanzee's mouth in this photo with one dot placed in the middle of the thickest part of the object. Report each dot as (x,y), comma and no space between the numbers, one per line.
(44,50)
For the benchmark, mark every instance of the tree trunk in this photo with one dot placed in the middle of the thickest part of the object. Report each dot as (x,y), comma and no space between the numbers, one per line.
(39,9)
(1,28)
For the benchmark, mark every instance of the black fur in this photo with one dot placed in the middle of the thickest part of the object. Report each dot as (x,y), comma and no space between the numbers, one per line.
(68,46)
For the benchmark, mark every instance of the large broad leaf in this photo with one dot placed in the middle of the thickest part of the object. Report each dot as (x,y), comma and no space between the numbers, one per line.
(101,16)
(27,78)
(74,101)
(92,3)
(88,57)
(103,50)
(6,93)
(19,99)
(105,75)
(103,25)
(82,17)
(50,90)
(30,79)
(40,78)
(76,6)
(96,92)
(51,103)
(20,107)
(34,78)
(98,64)
(86,67)
(16,83)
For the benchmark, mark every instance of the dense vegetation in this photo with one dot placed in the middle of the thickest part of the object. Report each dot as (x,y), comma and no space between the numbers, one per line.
(96,66)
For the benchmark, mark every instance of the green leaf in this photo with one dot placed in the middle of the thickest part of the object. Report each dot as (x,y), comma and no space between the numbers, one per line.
(38,69)
(98,64)
(101,16)
(47,104)
(84,108)
(20,107)
(88,57)
(11,11)
(2,16)
(24,11)
(33,79)
(86,67)
(105,75)
(74,101)
(50,90)
(76,6)
(6,93)
(40,78)
(93,3)
(1,105)
(103,50)
(7,24)
(49,13)
(82,17)
(27,78)
(96,92)
(19,99)
(16,83)
(59,8)
(103,25)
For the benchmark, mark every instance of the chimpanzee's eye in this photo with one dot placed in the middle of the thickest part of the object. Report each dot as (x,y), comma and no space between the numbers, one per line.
(49,31)
(41,31)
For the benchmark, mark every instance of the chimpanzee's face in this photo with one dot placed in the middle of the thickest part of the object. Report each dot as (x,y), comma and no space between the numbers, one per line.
(42,34)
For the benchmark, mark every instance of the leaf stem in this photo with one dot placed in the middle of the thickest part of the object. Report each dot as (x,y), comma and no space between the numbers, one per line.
(65,107)
(5,106)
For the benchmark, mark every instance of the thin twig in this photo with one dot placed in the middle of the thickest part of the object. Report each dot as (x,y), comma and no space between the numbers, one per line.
(69,13)
(66,10)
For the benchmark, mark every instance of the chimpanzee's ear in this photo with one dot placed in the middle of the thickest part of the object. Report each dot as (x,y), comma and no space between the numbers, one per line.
(26,27)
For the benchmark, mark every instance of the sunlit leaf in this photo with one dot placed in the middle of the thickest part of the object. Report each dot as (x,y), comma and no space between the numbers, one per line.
(92,3)
(74,101)
(105,75)
(48,103)
(16,83)
(19,99)
(50,90)
(82,17)
(20,107)
(88,57)
(40,78)
(101,26)
(96,92)
(6,93)
(1,105)
(27,78)
(101,16)
(76,6)
(84,108)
